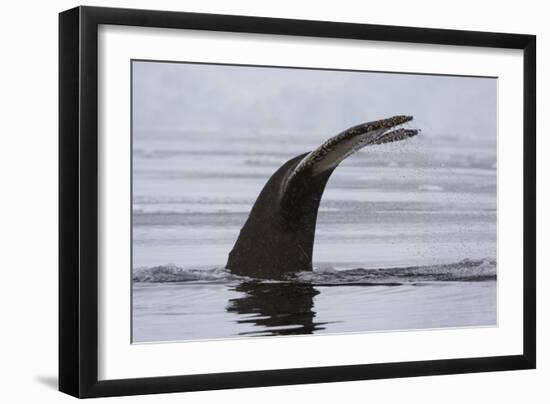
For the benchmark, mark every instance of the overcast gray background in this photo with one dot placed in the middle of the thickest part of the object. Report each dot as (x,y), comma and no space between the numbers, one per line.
(180,96)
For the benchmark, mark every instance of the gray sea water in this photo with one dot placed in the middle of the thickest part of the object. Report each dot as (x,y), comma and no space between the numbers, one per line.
(406,236)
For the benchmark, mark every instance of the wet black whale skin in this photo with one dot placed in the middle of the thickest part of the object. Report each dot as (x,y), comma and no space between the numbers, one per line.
(278,236)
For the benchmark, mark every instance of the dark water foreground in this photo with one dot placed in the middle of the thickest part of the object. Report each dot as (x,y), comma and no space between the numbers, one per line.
(175,304)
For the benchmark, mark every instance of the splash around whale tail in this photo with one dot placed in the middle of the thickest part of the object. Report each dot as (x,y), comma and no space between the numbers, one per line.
(278,235)
(466,270)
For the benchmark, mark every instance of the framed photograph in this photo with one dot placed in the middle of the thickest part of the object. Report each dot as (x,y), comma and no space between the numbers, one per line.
(250,201)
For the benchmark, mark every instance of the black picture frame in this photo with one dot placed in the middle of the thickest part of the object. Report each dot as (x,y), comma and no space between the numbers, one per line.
(78,201)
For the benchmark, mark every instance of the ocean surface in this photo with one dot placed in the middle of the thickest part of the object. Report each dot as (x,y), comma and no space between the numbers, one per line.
(406,237)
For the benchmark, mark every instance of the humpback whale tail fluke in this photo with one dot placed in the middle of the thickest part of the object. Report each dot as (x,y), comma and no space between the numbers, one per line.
(278,235)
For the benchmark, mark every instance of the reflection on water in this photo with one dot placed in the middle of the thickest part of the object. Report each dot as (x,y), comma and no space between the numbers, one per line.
(171,303)
(202,310)
(279,308)
(178,304)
